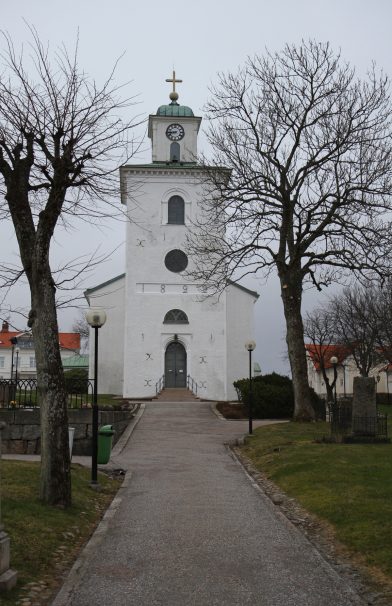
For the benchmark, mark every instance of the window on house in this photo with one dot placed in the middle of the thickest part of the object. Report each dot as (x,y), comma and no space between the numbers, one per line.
(176,316)
(32,361)
(176,210)
(2,360)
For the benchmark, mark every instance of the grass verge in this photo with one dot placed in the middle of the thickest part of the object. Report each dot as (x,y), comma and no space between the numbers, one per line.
(45,540)
(347,485)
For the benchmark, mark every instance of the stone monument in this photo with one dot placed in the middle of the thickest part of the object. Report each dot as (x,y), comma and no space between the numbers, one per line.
(8,577)
(364,419)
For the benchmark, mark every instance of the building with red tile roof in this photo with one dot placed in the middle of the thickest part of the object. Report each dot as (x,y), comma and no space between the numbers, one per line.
(18,348)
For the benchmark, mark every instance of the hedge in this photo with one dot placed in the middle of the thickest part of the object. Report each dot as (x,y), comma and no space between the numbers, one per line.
(273,397)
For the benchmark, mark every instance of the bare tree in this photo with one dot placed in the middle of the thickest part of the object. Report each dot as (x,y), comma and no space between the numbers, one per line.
(61,140)
(356,325)
(309,148)
(82,327)
(382,309)
(319,329)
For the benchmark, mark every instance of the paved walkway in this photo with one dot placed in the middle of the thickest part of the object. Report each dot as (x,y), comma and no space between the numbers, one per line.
(189,528)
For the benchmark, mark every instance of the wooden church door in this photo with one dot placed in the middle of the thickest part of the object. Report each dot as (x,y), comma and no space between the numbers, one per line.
(175,365)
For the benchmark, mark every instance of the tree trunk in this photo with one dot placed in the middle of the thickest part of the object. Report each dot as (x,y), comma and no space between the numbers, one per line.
(330,392)
(291,293)
(55,459)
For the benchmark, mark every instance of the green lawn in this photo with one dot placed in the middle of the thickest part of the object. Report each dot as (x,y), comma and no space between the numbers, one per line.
(45,540)
(348,485)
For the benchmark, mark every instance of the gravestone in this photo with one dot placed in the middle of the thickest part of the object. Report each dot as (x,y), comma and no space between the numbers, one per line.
(364,419)
(8,577)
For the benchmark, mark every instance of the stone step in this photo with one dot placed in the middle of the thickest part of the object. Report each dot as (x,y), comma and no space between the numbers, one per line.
(176,394)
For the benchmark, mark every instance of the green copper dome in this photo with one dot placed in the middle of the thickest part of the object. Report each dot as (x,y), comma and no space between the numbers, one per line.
(175,110)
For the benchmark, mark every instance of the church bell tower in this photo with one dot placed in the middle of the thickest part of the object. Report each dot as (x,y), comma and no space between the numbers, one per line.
(173,131)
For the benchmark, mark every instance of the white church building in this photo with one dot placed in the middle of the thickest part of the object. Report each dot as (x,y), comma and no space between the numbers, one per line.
(161,329)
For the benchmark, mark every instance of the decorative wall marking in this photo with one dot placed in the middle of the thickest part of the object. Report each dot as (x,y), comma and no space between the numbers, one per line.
(184,289)
(202,385)
(147,382)
(163,288)
(140,242)
(148,356)
(203,360)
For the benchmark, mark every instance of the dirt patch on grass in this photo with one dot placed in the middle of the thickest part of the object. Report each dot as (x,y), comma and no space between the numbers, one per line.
(232,410)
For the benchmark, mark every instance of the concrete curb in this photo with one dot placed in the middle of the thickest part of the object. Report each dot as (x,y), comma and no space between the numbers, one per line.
(80,567)
(123,441)
(216,412)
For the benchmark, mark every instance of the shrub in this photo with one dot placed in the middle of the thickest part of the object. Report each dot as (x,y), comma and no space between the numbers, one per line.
(273,397)
(76,380)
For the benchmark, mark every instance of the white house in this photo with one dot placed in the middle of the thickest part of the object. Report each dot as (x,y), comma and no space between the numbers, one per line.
(346,371)
(160,326)
(17,356)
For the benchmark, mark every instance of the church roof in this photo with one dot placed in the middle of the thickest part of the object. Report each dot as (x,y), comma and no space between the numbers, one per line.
(229,282)
(250,292)
(76,361)
(175,110)
(94,288)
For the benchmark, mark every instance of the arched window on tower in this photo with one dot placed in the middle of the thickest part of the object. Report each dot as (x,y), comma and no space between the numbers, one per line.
(176,316)
(176,210)
(175,152)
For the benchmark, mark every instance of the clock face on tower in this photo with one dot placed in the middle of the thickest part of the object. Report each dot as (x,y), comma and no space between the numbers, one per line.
(175,132)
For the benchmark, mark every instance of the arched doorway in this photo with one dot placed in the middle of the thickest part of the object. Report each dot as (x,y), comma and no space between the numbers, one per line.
(175,365)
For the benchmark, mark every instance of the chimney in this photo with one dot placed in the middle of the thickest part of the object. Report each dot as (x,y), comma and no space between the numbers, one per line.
(5,327)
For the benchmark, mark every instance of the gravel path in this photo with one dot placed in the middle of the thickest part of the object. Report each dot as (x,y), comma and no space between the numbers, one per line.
(190,528)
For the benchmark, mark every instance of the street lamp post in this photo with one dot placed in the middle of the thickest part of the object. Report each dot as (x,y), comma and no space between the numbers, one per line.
(14,342)
(334,362)
(16,371)
(250,346)
(96,318)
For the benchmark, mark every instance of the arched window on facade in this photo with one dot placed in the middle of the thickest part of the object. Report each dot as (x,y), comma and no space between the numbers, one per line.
(175,152)
(176,316)
(176,210)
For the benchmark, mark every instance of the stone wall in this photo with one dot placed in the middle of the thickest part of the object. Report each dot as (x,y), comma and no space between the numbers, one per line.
(22,434)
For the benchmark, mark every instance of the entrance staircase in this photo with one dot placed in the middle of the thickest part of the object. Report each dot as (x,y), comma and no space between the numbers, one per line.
(176,394)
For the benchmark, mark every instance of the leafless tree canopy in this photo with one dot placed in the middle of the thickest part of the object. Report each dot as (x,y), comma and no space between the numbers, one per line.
(309,146)
(319,330)
(356,325)
(63,128)
(382,309)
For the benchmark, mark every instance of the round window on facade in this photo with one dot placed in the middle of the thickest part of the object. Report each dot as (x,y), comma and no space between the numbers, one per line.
(176,261)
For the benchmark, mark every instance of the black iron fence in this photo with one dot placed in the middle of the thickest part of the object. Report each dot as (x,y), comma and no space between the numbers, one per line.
(23,393)
(344,424)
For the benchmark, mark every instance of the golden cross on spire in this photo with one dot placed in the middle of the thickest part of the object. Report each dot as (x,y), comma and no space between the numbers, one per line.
(173,80)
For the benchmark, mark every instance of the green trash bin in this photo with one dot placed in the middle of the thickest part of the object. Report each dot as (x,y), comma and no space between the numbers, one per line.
(105,438)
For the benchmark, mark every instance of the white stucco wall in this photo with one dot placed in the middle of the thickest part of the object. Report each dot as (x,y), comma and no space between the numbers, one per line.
(152,290)
(240,329)
(109,297)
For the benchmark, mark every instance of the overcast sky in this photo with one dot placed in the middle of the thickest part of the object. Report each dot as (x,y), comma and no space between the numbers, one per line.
(199,39)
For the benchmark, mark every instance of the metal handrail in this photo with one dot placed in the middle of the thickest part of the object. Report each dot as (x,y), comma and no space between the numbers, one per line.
(191,384)
(160,384)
